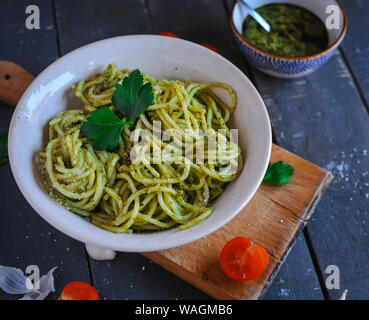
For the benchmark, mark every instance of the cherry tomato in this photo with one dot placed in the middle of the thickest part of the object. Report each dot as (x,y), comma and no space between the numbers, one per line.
(168,34)
(243,260)
(78,290)
(209,46)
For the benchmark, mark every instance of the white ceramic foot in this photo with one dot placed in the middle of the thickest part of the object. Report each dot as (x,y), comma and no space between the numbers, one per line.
(100,254)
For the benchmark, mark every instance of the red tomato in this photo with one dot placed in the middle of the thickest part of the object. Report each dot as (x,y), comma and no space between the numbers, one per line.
(206,45)
(243,260)
(168,34)
(78,290)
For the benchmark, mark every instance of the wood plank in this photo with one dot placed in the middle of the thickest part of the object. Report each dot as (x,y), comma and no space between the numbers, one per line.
(209,23)
(299,197)
(266,220)
(292,272)
(132,276)
(322,118)
(340,121)
(25,238)
(356,44)
(98,20)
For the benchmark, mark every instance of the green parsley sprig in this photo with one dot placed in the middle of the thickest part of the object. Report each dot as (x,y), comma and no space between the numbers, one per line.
(279,173)
(104,128)
(131,98)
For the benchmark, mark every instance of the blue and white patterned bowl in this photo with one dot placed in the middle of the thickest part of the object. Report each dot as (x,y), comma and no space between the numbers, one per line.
(283,67)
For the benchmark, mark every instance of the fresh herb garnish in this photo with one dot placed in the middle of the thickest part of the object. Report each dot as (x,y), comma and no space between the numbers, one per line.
(131,98)
(3,148)
(104,127)
(279,173)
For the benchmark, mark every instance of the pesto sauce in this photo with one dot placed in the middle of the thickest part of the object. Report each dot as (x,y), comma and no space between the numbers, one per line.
(295,31)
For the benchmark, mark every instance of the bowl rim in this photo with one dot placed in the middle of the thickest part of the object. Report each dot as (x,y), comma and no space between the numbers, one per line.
(332,46)
(109,242)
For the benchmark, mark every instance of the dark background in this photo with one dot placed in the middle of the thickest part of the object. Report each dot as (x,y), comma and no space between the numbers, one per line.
(322,117)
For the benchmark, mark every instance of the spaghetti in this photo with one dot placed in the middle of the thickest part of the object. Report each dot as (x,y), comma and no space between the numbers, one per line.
(123,195)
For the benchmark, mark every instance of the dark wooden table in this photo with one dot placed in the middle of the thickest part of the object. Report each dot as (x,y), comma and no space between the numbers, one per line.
(322,117)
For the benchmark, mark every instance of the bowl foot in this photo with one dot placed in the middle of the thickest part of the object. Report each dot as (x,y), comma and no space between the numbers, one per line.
(100,254)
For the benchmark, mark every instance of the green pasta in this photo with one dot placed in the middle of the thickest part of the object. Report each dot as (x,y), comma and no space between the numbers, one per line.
(121,195)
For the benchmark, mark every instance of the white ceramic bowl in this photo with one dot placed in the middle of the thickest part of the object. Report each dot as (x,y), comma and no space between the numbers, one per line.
(283,67)
(163,58)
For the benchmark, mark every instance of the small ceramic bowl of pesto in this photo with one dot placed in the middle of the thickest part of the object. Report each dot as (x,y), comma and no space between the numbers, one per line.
(304,34)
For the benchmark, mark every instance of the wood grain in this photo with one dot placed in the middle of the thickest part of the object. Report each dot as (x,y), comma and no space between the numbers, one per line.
(25,238)
(355,47)
(273,219)
(291,272)
(98,20)
(323,118)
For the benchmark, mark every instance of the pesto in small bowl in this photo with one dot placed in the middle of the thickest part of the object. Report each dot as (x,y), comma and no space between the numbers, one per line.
(295,31)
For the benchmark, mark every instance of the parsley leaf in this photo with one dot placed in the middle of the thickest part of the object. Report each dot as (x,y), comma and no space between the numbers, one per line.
(104,127)
(132,97)
(279,173)
(3,148)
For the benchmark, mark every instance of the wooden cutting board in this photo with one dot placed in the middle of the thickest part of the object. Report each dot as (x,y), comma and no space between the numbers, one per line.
(273,218)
